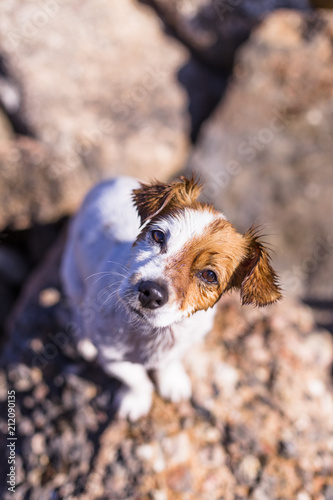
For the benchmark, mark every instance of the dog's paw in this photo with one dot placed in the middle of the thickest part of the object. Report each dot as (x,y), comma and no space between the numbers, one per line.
(133,403)
(173,383)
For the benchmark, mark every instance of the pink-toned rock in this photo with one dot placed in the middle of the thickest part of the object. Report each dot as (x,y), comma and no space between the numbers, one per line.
(29,193)
(259,424)
(266,154)
(99,92)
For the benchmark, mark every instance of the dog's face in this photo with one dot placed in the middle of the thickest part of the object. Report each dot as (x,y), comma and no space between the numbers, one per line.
(187,255)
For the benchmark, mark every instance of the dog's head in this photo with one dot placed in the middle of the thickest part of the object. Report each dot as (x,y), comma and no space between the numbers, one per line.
(187,255)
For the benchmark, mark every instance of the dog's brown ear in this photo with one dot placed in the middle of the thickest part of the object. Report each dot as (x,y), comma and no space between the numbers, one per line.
(151,199)
(256,279)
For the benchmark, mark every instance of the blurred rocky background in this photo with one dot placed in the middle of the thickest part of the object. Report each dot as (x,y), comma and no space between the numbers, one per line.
(240,92)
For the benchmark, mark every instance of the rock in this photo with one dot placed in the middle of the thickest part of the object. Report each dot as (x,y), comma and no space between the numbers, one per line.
(6,131)
(38,444)
(99,92)
(328,495)
(29,192)
(11,103)
(258,426)
(215,29)
(179,480)
(249,469)
(177,449)
(266,154)
(49,297)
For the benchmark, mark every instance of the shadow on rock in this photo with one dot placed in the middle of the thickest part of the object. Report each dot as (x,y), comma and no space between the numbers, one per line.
(205,88)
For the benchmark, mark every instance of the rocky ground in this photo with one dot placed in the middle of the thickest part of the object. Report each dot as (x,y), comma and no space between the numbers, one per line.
(259,424)
(241,93)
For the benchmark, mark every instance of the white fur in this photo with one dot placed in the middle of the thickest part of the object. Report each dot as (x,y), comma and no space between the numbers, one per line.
(173,383)
(134,399)
(101,271)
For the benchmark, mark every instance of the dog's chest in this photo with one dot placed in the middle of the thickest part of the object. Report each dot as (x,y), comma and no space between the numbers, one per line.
(152,348)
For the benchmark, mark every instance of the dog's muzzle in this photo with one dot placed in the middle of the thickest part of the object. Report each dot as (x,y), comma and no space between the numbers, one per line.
(152,295)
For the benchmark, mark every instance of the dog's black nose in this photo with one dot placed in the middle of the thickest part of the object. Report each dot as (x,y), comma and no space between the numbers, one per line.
(152,295)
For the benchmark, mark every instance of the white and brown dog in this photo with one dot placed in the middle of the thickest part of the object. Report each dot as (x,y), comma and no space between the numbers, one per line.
(143,269)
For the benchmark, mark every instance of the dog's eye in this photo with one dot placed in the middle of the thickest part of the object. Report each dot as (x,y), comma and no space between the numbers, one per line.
(158,236)
(209,276)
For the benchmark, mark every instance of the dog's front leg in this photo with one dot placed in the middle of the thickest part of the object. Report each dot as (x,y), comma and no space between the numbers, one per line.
(134,399)
(172,382)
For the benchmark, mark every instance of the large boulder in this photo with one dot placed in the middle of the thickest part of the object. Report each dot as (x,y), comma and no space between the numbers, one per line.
(266,155)
(99,89)
(30,193)
(259,425)
(213,30)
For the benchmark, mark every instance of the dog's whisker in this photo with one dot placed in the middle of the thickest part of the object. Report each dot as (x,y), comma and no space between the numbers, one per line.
(117,264)
(105,274)
(96,274)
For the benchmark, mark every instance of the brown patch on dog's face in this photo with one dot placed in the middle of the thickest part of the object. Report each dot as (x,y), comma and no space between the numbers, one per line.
(240,262)
(218,250)
(237,261)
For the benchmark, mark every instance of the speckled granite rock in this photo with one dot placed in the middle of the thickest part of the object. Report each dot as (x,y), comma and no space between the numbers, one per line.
(98,88)
(29,192)
(266,155)
(259,425)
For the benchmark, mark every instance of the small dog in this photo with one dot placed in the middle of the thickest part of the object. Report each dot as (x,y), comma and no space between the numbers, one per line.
(143,268)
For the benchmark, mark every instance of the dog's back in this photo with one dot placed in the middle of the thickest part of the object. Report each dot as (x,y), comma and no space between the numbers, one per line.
(103,230)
